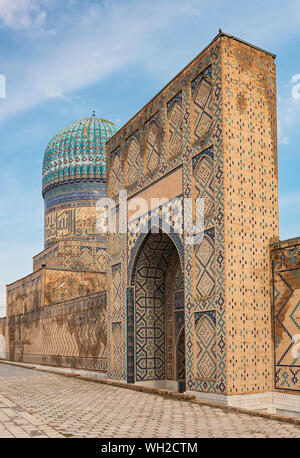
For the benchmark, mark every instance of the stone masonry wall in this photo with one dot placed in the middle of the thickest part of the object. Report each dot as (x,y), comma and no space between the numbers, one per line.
(67,334)
(74,255)
(49,286)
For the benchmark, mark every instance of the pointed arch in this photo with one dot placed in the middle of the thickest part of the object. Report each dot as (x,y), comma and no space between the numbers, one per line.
(153,312)
(142,239)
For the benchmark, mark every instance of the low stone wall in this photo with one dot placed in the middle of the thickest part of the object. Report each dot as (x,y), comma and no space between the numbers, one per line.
(66,334)
(2,338)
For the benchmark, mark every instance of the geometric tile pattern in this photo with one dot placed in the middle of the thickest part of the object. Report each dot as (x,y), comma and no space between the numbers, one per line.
(205,336)
(204,182)
(116,299)
(175,119)
(88,256)
(202,97)
(116,352)
(79,327)
(205,135)
(78,151)
(152,147)
(61,285)
(168,215)
(286,311)
(205,265)
(133,160)
(115,181)
(152,264)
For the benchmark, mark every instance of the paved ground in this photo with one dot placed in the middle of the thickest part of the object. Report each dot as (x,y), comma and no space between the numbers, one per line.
(36,404)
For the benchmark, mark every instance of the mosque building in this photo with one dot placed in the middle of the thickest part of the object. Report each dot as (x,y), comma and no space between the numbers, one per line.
(213,311)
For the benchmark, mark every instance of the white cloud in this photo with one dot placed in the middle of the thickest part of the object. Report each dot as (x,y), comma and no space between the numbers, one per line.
(22,15)
(289,109)
(283,140)
(93,45)
(295,81)
(96,39)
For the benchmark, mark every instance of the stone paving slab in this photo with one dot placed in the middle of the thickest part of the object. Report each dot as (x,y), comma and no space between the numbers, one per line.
(56,406)
(15,421)
(15,371)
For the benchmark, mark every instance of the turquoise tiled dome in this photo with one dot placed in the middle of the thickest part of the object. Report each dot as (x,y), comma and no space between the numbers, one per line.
(77,151)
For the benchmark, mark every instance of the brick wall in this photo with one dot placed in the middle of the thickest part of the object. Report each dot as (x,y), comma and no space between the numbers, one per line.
(251,211)
(48,286)
(62,285)
(74,255)
(67,334)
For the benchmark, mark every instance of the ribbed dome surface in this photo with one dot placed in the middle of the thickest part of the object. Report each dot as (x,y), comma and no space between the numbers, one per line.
(77,151)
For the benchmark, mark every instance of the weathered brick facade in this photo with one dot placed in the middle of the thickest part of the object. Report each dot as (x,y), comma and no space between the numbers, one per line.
(68,334)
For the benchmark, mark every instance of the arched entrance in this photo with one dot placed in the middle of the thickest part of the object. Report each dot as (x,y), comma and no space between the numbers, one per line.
(159,313)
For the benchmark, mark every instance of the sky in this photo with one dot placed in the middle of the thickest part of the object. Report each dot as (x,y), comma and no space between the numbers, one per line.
(62,60)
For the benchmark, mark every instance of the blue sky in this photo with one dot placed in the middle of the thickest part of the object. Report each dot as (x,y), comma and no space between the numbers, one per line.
(63,59)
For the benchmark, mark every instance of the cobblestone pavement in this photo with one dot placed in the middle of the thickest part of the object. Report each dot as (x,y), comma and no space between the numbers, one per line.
(36,404)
